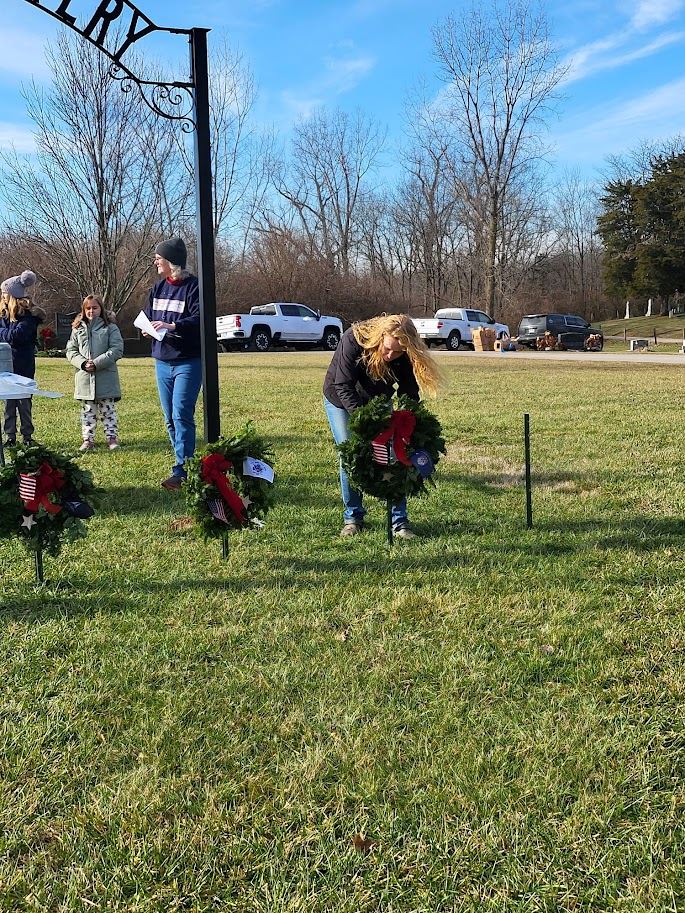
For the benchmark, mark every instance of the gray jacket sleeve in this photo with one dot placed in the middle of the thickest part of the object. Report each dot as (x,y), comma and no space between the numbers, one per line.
(115,351)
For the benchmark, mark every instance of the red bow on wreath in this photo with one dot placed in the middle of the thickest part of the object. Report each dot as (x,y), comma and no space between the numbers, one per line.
(214,469)
(400,429)
(47,480)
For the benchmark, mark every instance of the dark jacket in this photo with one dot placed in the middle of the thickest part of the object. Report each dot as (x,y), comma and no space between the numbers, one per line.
(347,384)
(22,335)
(179,303)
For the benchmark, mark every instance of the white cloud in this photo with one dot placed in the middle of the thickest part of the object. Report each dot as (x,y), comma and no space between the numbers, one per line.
(339,75)
(16,136)
(649,13)
(589,59)
(664,104)
(300,108)
(619,48)
(344,74)
(615,128)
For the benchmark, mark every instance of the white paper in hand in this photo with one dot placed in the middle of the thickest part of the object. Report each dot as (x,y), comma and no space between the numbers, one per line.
(145,326)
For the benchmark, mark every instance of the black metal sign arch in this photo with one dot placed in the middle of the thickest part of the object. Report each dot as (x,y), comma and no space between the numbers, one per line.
(180,101)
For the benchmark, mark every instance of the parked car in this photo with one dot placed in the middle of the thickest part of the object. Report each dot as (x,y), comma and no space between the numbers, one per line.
(569,329)
(454,327)
(274,324)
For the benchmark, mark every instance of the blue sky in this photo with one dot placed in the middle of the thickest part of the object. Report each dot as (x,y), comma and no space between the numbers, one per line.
(626,81)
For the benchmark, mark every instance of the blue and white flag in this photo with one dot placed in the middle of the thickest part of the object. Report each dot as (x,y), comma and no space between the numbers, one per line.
(258,469)
(423,463)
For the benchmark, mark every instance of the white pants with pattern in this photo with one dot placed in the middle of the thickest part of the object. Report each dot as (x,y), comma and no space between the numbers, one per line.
(107,411)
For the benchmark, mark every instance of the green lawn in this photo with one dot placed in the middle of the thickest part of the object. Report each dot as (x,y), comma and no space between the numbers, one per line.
(672,327)
(499,713)
(661,348)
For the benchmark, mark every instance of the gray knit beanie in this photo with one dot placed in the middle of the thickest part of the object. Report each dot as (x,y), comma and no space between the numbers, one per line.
(18,286)
(173,250)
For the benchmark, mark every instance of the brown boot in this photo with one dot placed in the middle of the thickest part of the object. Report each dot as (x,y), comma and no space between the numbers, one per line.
(351,529)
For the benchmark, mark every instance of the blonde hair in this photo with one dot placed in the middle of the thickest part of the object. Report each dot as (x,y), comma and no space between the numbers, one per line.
(370,333)
(107,316)
(14,307)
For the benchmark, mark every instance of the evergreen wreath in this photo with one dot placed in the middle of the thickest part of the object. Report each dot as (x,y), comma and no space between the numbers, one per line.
(394,481)
(219,495)
(60,505)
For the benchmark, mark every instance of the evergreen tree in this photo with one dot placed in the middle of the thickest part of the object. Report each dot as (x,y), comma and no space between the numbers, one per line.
(642,227)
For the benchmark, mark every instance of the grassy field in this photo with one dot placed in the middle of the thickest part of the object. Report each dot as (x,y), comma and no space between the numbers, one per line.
(661,348)
(485,719)
(672,327)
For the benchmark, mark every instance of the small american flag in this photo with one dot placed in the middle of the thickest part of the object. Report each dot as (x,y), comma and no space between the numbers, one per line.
(217,508)
(381,453)
(27,486)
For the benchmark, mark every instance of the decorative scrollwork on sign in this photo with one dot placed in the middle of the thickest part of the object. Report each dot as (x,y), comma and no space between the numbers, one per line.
(114,27)
(172,101)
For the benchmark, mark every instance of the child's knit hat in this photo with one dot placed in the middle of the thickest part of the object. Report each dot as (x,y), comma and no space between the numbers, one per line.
(18,286)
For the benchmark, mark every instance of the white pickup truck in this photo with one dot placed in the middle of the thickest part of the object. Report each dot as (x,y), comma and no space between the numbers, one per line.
(454,327)
(278,323)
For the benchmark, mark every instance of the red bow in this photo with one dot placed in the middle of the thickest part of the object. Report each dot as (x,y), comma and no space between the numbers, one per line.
(400,429)
(47,481)
(214,469)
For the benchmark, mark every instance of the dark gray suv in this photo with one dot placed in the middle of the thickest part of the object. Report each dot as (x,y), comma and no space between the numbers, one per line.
(572,331)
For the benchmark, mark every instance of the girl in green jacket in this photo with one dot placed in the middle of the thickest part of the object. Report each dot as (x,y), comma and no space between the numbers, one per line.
(94,347)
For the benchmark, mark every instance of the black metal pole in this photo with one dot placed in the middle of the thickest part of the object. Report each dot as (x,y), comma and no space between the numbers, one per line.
(39,565)
(224,546)
(205,233)
(529,490)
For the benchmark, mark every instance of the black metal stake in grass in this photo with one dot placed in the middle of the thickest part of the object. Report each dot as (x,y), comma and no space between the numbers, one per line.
(39,566)
(224,546)
(389,517)
(2,451)
(529,490)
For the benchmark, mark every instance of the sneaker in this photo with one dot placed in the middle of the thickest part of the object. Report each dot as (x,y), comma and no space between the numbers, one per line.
(351,529)
(28,442)
(404,532)
(173,483)
(112,443)
(86,445)
(11,442)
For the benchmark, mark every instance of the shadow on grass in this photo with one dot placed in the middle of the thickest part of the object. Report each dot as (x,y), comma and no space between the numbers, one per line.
(139,499)
(78,598)
(639,533)
(487,480)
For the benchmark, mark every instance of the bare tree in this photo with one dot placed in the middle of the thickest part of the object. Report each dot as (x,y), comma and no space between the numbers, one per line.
(576,207)
(94,198)
(502,73)
(240,154)
(332,156)
(426,203)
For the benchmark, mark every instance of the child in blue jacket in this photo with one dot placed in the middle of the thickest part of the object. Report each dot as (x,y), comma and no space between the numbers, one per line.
(19,321)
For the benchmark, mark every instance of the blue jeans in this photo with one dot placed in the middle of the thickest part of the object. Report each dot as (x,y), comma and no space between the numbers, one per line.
(179,385)
(354,511)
